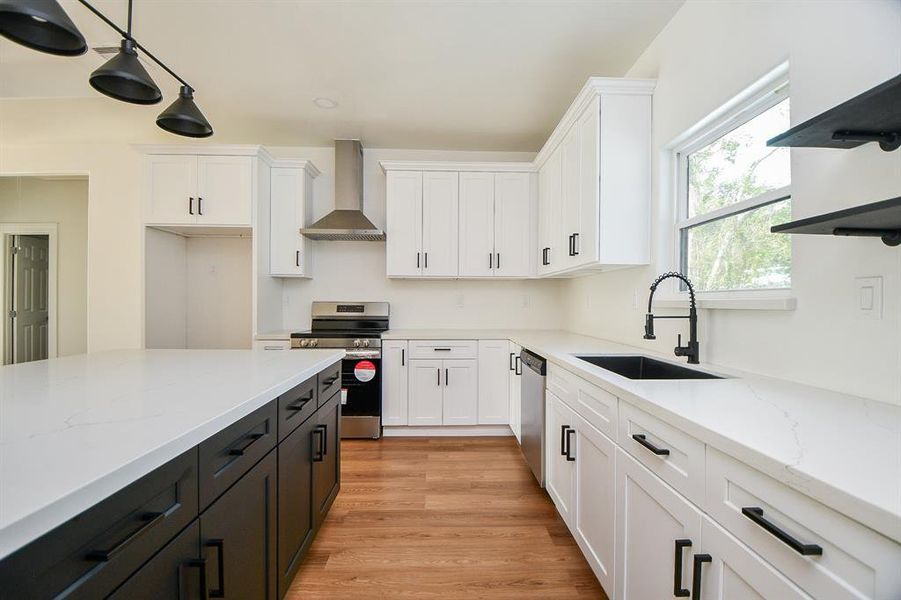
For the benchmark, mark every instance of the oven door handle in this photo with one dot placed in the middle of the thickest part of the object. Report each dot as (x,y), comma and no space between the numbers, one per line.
(363,354)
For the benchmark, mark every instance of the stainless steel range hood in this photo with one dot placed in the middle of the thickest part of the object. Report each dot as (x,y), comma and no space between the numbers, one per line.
(347,222)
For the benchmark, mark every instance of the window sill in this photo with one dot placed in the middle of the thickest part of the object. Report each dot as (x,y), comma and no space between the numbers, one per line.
(763,301)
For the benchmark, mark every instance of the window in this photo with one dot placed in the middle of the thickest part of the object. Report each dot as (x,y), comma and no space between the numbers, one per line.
(731,189)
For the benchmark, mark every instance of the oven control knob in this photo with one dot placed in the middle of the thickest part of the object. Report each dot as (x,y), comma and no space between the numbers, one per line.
(358,343)
(304,343)
(314,343)
(365,343)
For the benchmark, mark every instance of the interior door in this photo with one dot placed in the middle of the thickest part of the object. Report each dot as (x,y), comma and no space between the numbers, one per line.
(172,189)
(559,457)
(426,392)
(286,211)
(440,224)
(31,280)
(225,190)
(655,526)
(477,248)
(572,219)
(326,460)
(494,382)
(461,392)
(238,533)
(404,223)
(295,501)
(595,504)
(513,224)
(394,383)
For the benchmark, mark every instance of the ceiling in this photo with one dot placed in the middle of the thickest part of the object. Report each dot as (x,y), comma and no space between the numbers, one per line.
(478,75)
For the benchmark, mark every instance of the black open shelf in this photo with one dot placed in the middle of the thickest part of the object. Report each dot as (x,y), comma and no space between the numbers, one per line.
(873,116)
(879,219)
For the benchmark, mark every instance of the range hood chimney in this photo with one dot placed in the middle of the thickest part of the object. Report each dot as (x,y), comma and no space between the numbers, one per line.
(347,222)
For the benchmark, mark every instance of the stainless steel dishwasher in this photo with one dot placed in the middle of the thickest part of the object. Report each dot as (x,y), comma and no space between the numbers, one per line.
(532,412)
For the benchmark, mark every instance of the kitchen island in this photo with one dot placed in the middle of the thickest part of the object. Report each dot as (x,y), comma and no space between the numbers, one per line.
(106,435)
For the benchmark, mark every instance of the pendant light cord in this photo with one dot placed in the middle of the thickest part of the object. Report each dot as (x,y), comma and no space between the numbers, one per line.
(127,35)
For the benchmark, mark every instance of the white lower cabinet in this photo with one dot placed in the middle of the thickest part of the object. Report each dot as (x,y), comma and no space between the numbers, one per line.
(494,382)
(559,469)
(426,396)
(394,382)
(461,392)
(443,392)
(655,524)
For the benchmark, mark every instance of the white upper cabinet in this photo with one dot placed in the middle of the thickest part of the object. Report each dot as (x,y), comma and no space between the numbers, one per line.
(200,190)
(594,181)
(514,221)
(477,224)
(440,214)
(291,208)
(404,223)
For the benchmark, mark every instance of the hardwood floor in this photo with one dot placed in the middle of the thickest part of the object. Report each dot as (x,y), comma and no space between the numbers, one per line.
(442,518)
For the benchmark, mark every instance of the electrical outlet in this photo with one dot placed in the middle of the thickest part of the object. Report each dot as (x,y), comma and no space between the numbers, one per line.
(869,297)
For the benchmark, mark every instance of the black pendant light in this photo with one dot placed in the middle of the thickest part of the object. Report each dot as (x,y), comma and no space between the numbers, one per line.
(123,77)
(184,118)
(41,25)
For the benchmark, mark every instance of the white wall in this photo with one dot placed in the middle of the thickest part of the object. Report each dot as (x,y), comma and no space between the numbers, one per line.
(65,202)
(707,54)
(165,290)
(356,270)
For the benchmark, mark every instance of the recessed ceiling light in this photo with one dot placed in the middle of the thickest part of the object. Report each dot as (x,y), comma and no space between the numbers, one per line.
(326,103)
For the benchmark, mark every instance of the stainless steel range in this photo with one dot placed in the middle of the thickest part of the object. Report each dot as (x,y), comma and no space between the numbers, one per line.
(357,327)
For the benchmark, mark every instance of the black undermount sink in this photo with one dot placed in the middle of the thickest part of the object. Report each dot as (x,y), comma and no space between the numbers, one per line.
(644,367)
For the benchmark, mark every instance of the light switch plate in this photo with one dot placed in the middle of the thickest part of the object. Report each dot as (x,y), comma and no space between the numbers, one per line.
(868,297)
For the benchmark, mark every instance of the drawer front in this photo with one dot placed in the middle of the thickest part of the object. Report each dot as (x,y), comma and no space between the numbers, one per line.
(595,405)
(295,406)
(444,349)
(329,382)
(670,453)
(782,525)
(227,455)
(93,553)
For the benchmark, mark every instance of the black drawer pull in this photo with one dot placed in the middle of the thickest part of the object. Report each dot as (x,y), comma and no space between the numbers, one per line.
(518,368)
(219,545)
(563,429)
(442,349)
(150,520)
(200,565)
(324,440)
(300,404)
(569,448)
(678,590)
(699,561)
(643,440)
(755,513)
(511,361)
(328,382)
(318,454)
(253,437)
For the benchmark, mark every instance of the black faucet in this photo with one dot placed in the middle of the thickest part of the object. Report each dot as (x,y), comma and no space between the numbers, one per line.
(692,349)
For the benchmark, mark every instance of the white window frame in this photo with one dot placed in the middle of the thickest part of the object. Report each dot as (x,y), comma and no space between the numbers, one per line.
(764,94)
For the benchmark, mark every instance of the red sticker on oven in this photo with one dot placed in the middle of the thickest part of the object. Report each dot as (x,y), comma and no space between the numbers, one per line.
(364,371)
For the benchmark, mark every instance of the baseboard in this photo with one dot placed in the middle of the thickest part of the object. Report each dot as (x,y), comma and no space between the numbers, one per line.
(448,431)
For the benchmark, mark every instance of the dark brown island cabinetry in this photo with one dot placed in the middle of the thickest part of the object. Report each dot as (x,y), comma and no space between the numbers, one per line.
(231,518)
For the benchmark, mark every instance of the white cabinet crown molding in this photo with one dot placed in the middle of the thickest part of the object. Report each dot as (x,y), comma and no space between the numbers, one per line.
(229,150)
(296,163)
(493,167)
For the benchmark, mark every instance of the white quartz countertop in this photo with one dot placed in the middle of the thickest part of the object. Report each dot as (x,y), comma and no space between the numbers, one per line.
(843,450)
(75,430)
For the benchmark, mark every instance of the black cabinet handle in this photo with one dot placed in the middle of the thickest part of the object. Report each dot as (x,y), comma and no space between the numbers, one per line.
(441,349)
(200,565)
(219,545)
(678,590)
(491,260)
(300,404)
(576,250)
(446,377)
(426,257)
(318,455)
(297,258)
(755,513)
(643,440)
(510,364)
(571,245)
(324,439)
(191,205)
(150,520)
(328,382)
(252,438)
(569,456)
(563,429)
(545,257)
(439,376)
(417,260)
(699,561)
(498,261)
(403,352)
(199,206)
(518,367)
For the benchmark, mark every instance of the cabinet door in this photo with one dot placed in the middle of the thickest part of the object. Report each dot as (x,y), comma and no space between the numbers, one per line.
(515,375)
(288,254)
(595,503)
(326,458)
(735,572)
(394,382)
(572,169)
(171,189)
(494,382)
(513,224)
(477,250)
(175,573)
(461,392)
(239,533)
(295,496)
(559,457)
(550,214)
(404,223)
(586,241)
(651,519)
(440,224)
(225,190)
(426,391)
